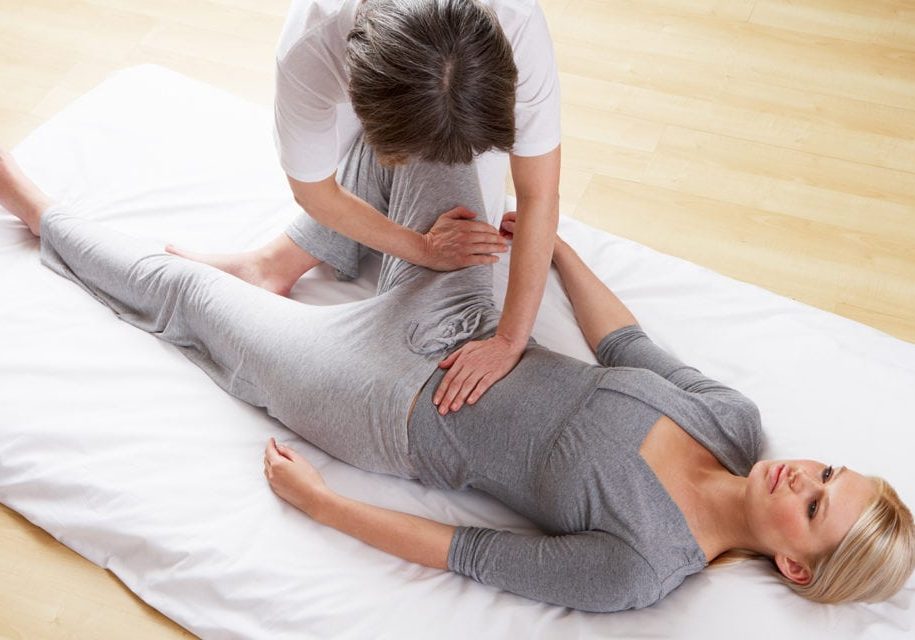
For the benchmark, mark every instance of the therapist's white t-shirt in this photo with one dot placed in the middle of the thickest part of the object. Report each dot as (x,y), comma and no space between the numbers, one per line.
(315,122)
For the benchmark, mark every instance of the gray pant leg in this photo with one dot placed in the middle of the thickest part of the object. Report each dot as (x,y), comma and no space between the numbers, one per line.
(420,193)
(171,298)
(365,178)
(413,195)
(339,375)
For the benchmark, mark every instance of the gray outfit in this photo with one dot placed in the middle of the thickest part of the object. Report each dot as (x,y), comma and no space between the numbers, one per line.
(556,439)
(323,371)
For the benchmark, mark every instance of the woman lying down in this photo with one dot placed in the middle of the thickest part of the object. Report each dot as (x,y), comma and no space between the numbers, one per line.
(639,471)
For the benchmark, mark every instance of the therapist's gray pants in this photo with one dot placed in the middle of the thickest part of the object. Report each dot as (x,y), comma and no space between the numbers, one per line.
(341,376)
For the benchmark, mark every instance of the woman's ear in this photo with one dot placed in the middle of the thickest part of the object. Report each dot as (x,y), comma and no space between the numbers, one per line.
(795,571)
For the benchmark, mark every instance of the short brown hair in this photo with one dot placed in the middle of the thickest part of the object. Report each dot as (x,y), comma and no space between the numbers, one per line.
(432,79)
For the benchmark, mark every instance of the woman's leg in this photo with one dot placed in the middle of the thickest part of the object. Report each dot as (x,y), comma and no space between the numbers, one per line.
(305,244)
(326,372)
(276,266)
(19,195)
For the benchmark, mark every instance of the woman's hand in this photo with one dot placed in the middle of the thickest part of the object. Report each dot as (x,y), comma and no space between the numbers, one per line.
(507,227)
(294,480)
(472,369)
(457,240)
(507,231)
(406,536)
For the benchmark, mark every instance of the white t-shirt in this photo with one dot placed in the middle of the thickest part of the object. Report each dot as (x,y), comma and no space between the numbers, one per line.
(315,122)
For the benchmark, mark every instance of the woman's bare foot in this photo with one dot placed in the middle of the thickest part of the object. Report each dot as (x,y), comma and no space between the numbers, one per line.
(19,195)
(275,267)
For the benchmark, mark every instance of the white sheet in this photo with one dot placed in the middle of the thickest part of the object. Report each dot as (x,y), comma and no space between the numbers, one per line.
(126,452)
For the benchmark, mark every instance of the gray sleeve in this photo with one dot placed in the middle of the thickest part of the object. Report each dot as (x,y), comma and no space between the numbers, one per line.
(328,246)
(630,347)
(591,570)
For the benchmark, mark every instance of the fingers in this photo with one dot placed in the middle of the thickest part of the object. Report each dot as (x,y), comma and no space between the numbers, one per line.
(467,387)
(471,382)
(482,248)
(459,213)
(450,387)
(447,362)
(440,398)
(275,453)
(285,451)
(466,220)
(490,237)
(482,386)
(507,226)
(479,227)
(271,453)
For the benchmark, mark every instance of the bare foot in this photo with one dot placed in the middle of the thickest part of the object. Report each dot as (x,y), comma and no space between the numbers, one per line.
(19,195)
(249,266)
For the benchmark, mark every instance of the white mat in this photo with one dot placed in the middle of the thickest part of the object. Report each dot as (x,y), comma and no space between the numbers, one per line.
(126,452)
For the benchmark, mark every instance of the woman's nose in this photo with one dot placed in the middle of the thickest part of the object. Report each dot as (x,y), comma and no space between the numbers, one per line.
(798,479)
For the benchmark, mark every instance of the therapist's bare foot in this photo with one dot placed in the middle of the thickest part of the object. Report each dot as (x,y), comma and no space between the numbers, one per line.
(275,267)
(19,195)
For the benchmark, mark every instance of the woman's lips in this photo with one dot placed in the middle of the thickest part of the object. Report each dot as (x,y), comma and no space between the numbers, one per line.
(774,476)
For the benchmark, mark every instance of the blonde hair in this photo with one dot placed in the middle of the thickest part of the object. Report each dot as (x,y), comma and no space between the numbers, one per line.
(873,560)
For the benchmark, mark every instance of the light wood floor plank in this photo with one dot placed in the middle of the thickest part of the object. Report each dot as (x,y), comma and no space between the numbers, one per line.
(886,23)
(823,125)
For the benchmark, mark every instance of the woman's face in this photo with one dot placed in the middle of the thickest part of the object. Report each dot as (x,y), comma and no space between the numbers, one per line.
(801,509)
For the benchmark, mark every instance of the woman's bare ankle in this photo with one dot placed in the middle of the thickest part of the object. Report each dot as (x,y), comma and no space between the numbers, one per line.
(19,195)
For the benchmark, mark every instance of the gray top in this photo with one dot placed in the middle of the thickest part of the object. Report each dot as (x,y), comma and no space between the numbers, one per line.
(557,440)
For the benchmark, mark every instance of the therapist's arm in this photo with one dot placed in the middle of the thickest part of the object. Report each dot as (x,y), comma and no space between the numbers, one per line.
(478,365)
(455,240)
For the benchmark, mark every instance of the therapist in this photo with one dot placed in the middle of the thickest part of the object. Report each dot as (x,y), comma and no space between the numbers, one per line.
(451,81)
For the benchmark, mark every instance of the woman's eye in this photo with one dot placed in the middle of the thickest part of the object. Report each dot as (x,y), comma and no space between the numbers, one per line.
(827,473)
(812,509)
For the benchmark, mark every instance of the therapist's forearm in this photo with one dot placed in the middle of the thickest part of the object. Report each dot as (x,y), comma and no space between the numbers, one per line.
(349,215)
(532,248)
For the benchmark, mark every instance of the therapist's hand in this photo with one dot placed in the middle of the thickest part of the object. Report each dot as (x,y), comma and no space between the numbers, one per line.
(472,369)
(456,241)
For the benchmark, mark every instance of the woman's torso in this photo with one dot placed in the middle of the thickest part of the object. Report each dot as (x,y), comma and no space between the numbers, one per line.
(558,441)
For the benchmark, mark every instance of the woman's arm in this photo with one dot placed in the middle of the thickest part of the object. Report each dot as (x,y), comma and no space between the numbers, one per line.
(597,309)
(406,536)
(601,316)
(589,570)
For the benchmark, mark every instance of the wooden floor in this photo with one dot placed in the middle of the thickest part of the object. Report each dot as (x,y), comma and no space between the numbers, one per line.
(770,140)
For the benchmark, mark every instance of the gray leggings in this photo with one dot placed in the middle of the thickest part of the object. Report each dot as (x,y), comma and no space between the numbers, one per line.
(343,376)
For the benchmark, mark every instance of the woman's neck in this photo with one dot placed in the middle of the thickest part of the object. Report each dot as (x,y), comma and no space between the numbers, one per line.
(710,498)
(721,517)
